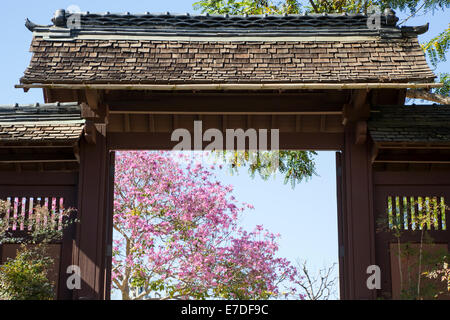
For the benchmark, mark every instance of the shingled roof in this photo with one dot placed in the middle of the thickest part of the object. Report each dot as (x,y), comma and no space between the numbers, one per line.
(172,49)
(416,123)
(55,122)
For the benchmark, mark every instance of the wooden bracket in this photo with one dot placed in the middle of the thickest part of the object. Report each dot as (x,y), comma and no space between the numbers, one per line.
(76,150)
(90,132)
(361,132)
(88,113)
(101,128)
(93,98)
(357,109)
(374,153)
(357,112)
(94,101)
(94,115)
(47,95)
(401,97)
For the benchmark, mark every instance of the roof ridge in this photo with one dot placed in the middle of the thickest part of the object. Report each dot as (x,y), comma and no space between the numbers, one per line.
(65,109)
(38,104)
(187,21)
(187,14)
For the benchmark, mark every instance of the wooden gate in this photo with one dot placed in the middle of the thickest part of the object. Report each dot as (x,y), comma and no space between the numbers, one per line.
(403,200)
(50,190)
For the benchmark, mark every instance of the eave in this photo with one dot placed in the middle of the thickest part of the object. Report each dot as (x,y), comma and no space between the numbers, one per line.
(231,86)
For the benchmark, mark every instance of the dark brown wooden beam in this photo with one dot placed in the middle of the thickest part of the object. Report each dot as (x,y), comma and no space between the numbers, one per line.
(228,103)
(379,97)
(162,141)
(232,109)
(406,178)
(12,182)
(413,158)
(298,123)
(37,157)
(412,145)
(35,146)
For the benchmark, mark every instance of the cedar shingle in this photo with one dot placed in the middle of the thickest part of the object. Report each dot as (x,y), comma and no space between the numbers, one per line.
(42,123)
(410,124)
(116,61)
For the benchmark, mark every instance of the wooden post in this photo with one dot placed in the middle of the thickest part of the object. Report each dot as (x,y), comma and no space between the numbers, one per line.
(342,230)
(90,246)
(109,226)
(358,221)
(66,260)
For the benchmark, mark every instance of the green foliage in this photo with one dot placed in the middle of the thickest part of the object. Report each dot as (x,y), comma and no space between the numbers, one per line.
(238,288)
(25,277)
(240,7)
(441,272)
(296,166)
(3,221)
(429,258)
(437,47)
(231,7)
(414,6)
(445,79)
(339,6)
(414,262)
(39,232)
(234,7)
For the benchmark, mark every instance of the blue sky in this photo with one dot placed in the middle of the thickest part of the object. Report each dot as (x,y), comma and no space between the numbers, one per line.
(305,216)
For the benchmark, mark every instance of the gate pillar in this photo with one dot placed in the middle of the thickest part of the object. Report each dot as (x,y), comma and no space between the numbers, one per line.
(91,245)
(357,232)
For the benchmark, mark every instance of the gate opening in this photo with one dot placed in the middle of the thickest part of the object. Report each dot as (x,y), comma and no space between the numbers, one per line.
(171,188)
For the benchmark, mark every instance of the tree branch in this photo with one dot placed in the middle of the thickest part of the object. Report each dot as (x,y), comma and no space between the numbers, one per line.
(424,95)
(314,6)
(413,14)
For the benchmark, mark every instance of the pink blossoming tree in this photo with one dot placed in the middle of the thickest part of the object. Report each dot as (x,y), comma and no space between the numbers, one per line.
(177,235)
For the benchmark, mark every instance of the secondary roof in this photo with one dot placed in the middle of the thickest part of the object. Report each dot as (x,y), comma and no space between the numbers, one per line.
(41,123)
(413,123)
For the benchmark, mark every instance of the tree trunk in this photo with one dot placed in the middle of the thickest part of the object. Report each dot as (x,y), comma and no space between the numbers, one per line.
(424,95)
(126,292)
